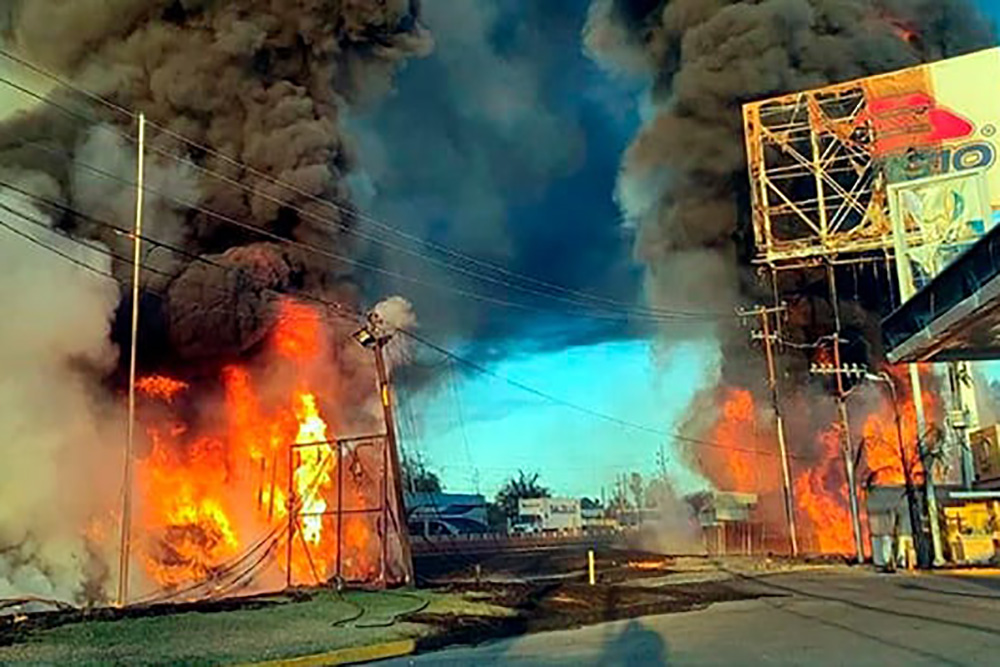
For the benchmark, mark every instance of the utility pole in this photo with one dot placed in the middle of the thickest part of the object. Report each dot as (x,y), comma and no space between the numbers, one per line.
(839,371)
(374,337)
(769,339)
(845,424)
(661,460)
(390,460)
(124,546)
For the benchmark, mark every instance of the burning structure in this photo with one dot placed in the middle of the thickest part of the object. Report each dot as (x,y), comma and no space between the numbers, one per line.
(252,394)
(684,187)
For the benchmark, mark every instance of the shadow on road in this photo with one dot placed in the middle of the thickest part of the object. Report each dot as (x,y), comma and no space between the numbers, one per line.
(760,581)
(911,586)
(934,657)
(635,645)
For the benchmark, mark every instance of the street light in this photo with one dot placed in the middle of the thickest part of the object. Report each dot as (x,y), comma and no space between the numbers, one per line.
(911,496)
(862,373)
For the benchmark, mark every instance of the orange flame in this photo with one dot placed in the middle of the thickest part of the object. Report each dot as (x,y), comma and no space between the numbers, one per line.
(735,431)
(883,451)
(299,333)
(208,498)
(160,386)
(821,496)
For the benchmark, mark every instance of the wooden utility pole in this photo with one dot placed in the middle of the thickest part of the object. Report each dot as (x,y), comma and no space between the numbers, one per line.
(391,467)
(769,339)
(845,424)
(124,546)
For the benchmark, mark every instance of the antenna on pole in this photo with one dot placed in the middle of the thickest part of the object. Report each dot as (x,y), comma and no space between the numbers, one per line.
(126,521)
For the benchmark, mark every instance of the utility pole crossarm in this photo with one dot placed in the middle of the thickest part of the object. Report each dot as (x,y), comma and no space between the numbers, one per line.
(769,339)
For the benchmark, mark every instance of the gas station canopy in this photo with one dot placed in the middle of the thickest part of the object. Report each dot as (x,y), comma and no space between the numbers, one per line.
(955,316)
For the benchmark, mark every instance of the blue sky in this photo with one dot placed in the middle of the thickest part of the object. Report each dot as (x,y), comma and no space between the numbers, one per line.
(991,7)
(492,429)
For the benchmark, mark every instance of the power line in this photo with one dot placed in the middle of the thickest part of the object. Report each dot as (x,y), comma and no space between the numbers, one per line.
(94,247)
(329,203)
(66,256)
(479,368)
(339,308)
(608,304)
(361,264)
(599,315)
(453,381)
(475,366)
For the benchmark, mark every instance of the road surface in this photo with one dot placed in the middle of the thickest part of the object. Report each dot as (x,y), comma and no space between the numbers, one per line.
(819,618)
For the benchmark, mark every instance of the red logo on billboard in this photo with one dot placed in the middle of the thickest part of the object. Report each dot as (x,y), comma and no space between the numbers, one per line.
(914,121)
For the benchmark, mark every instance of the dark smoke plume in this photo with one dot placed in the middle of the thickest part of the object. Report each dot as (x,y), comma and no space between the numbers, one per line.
(266,82)
(683,182)
(263,81)
(504,126)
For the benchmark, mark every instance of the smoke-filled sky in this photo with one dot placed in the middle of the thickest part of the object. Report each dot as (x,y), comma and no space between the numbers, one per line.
(506,142)
(502,429)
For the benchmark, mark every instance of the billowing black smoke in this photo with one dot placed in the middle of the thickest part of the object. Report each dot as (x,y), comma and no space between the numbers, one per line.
(264,82)
(683,182)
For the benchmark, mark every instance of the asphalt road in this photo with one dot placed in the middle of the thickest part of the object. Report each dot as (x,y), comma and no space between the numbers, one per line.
(820,618)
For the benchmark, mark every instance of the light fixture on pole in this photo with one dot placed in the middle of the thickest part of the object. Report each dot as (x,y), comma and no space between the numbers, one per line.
(374,336)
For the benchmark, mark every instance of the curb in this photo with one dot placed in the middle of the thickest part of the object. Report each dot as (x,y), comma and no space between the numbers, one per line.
(346,656)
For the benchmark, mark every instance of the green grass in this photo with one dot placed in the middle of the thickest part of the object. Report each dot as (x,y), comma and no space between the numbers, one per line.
(281,631)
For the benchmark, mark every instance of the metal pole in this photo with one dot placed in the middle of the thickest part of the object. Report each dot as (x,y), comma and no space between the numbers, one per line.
(126,524)
(393,463)
(911,495)
(907,288)
(928,461)
(961,420)
(340,509)
(291,515)
(845,424)
(776,406)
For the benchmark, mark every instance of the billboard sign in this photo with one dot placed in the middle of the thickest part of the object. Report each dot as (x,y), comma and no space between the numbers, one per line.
(823,162)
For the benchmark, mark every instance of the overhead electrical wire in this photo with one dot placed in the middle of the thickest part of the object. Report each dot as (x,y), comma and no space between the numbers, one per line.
(343,311)
(579,299)
(328,203)
(479,368)
(622,313)
(307,247)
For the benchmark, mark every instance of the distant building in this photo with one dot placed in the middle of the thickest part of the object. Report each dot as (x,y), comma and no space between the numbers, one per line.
(548,515)
(726,521)
(446,514)
(597,518)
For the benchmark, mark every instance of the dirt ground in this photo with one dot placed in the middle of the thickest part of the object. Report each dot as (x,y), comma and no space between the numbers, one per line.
(503,596)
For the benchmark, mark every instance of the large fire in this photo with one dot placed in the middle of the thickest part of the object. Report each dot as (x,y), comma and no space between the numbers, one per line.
(743,462)
(885,460)
(738,465)
(208,499)
(821,497)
